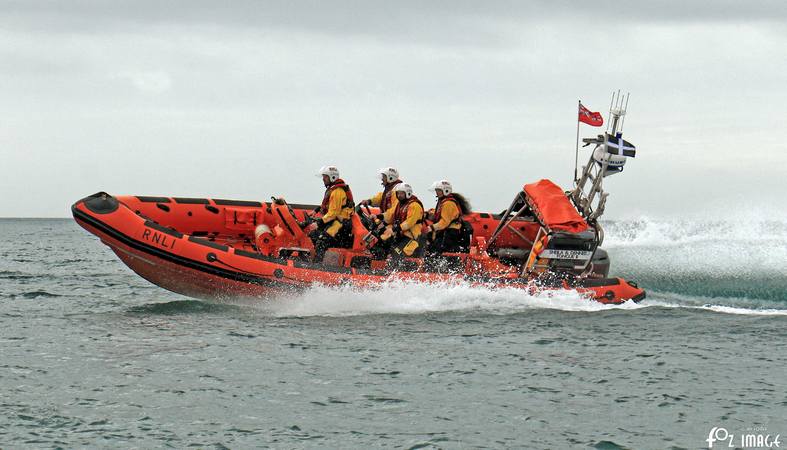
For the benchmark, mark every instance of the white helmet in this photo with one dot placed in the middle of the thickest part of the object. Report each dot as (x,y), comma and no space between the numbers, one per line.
(406,188)
(443,185)
(389,174)
(331,171)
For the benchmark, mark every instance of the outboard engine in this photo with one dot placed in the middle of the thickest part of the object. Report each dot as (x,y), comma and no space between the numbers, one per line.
(599,265)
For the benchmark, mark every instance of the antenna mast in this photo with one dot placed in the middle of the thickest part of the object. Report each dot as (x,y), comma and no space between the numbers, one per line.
(588,195)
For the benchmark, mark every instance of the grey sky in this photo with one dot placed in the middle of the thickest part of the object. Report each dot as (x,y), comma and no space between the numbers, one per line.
(246,100)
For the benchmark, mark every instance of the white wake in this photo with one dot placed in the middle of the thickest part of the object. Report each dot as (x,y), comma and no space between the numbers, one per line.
(402,297)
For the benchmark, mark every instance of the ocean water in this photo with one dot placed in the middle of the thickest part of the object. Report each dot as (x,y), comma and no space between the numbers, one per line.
(94,356)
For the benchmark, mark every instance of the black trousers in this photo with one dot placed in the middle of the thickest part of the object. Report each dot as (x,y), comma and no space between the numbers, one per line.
(323,241)
(446,241)
(381,249)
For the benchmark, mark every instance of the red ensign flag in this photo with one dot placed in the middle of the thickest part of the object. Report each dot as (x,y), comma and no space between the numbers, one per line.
(589,117)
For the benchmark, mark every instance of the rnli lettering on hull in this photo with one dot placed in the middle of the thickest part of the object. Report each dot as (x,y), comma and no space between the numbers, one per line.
(162,240)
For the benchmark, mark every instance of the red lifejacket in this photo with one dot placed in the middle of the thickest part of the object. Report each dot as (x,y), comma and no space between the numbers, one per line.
(441,202)
(388,194)
(338,184)
(400,215)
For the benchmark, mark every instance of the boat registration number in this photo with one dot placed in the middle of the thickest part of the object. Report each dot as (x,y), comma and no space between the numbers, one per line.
(566,254)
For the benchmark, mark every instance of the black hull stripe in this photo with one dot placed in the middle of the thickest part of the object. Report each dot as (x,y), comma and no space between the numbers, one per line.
(191,201)
(223,202)
(319,267)
(150,199)
(598,282)
(270,259)
(208,243)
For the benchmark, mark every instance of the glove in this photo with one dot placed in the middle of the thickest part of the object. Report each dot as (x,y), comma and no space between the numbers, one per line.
(380,216)
(317,209)
(396,229)
(305,224)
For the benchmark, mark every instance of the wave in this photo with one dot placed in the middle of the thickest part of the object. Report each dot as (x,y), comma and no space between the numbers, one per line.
(37,294)
(180,307)
(404,297)
(742,258)
(649,232)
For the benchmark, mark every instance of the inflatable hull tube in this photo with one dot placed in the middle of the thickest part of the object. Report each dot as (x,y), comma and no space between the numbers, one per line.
(223,249)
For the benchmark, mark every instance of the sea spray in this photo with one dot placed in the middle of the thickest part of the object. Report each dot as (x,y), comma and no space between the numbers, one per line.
(407,297)
(715,259)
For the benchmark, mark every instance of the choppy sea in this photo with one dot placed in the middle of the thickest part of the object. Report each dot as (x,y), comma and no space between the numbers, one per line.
(94,356)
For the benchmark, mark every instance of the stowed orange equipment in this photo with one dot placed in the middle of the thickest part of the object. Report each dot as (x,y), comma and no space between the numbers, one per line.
(538,248)
(553,208)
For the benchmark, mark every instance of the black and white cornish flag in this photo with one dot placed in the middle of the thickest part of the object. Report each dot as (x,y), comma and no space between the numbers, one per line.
(618,146)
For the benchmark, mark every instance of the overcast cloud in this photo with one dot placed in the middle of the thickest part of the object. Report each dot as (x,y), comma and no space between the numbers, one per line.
(247,99)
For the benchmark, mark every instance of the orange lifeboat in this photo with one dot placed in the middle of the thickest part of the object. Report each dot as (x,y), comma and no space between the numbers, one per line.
(217,249)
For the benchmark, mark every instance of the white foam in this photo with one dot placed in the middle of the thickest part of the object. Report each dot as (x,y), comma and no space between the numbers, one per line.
(742,306)
(719,308)
(401,297)
(404,297)
(749,248)
(746,311)
(650,232)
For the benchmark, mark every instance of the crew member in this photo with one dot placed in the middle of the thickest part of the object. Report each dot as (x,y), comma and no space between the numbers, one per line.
(334,228)
(406,223)
(446,234)
(386,201)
